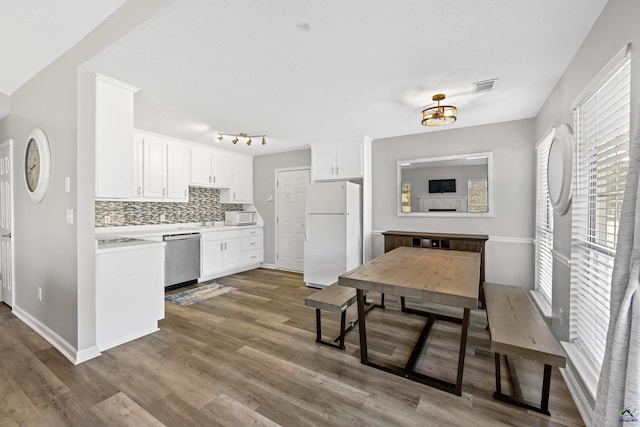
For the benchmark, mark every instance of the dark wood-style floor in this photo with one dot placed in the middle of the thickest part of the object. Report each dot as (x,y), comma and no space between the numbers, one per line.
(249,358)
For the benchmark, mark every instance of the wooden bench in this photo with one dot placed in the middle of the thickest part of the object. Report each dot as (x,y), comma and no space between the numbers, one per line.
(517,329)
(335,299)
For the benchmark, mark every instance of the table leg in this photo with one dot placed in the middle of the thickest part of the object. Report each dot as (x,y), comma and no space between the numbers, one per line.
(364,357)
(463,350)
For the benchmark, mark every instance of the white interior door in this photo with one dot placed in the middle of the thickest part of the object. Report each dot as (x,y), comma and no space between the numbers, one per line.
(6,203)
(290,193)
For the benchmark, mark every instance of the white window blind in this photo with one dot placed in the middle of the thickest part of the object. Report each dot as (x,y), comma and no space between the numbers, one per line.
(602,136)
(544,222)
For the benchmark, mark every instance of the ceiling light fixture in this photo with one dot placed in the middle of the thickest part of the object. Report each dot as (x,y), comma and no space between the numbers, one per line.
(439,115)
(235,136)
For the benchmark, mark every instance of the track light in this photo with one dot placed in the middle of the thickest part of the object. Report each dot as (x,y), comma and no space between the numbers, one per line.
(221,136)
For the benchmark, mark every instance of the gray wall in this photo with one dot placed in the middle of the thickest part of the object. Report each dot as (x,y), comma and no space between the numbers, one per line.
(510,230)
(49,253)
(264,176)
(4,105)
(616,26)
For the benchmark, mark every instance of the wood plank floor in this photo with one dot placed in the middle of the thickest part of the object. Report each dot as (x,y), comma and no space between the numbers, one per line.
(249,358)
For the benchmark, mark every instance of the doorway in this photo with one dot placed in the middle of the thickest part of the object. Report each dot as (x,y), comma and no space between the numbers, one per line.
(291,185)
(6,223)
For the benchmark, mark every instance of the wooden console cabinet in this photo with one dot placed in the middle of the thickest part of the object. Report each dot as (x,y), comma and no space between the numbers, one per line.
(446,241)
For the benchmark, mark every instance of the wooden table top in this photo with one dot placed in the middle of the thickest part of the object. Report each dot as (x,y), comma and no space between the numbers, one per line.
(432,275)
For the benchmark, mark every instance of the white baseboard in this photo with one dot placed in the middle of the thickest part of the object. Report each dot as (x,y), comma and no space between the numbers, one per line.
(269,266)
(69,351)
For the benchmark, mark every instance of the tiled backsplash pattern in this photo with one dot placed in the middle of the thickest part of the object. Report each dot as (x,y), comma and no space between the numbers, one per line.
(204,205)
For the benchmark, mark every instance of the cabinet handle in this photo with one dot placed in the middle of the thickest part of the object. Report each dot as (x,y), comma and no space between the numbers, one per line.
(337,170)
(185,193)
(332,169)
(220,246)
(253,257)
(164,191)
(252,243)
(209,179)
(234,195)
(139,190)
(225,246)
(214,179)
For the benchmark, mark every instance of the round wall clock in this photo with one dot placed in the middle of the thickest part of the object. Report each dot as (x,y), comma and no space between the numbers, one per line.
(37,165)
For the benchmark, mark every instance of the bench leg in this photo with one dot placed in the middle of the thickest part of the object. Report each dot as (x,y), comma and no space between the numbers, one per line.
(340,338)
(546,385)
(498,379)
(517,399)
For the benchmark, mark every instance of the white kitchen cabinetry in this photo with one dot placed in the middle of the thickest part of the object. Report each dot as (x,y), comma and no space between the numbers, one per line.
(129,293)
(224,252)
(154,169)
(241,183)
(251,247)
(335,161)
(177,171)
(163,166)
(114,139)
(209,167)
(219,251)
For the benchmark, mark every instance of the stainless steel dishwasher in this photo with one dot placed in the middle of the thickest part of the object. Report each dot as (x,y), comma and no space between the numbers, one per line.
(181,258)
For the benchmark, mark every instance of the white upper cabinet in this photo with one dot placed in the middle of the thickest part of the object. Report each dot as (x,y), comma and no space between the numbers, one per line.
(163,165)
(335,161)
(115,152)
(209,167)
(177,170)
(154,168)
(241,183)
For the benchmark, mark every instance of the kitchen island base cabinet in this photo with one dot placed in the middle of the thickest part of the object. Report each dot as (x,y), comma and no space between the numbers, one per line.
(229,252)
(129,293)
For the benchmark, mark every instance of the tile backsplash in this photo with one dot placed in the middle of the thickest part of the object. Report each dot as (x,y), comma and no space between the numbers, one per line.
(204,205)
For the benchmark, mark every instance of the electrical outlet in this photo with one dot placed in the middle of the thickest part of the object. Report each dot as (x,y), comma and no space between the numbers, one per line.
(40,294)
(69,216)
(107,219)
(561,316)
(162,217)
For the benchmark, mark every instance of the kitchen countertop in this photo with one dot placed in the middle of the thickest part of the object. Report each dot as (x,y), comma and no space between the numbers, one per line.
(106,237)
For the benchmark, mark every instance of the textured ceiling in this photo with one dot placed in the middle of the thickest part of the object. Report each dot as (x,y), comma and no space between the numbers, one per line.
(304,71)
(34,33)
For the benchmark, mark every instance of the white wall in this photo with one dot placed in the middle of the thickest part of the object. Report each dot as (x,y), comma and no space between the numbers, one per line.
(510,231)
(264,174)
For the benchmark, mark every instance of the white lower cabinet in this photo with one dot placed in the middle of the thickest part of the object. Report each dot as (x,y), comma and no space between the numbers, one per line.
(251,246)
(224,252)
(129,293)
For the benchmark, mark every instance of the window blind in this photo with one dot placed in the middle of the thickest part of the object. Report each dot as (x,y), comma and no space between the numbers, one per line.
(602,136)
(544,222)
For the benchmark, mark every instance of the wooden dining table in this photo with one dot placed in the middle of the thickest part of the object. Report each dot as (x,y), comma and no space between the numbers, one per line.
(445,277)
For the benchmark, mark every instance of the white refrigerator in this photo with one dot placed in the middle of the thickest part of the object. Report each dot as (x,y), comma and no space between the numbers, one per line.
(333,231)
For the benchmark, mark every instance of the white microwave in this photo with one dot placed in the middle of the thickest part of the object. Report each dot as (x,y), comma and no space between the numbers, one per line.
(240,218)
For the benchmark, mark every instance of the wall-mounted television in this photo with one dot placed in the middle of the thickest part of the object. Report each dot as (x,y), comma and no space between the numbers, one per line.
(442,186)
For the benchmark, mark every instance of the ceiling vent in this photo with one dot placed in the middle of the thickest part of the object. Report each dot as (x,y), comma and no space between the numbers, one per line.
(484,86)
